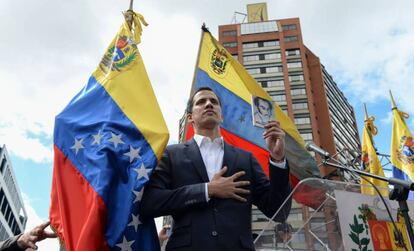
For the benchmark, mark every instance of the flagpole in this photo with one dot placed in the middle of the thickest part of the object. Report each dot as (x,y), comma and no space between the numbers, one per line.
(394,106)
(131,4)
(366,112)
(192,89)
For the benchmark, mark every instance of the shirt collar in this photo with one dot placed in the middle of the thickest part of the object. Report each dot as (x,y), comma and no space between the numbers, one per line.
(200,140)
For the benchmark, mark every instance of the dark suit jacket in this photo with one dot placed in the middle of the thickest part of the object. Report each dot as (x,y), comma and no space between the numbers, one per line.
(177,188)
(10,244)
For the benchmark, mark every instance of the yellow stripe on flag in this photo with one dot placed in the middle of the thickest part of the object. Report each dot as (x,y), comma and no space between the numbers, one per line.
(370,160)
(402,144)
(234,76)
(144,112)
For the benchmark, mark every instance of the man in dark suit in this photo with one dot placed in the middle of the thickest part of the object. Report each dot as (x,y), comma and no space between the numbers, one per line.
(209,186)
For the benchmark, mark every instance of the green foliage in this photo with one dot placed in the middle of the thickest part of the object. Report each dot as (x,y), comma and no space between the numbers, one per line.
(356,230)
(365,241)
(354,238)
(126,62)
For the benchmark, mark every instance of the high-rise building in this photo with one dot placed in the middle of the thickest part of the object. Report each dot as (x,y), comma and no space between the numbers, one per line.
(13,216)
(273,52)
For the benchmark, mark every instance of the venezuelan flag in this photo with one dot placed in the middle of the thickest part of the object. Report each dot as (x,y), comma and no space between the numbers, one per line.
(370,160)
(107,141)
(217,69)
(402,147)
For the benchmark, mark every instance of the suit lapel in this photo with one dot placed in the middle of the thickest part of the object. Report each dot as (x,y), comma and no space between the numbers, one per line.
(193,153)
(229,158)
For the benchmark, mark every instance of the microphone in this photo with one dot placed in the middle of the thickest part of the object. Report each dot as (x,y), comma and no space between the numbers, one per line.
(310,146)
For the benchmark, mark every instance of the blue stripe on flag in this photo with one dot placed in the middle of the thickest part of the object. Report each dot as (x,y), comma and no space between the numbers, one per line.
(237,113)
(106,165)
(397,173)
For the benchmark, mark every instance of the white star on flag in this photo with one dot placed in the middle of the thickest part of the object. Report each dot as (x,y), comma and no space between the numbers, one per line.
(142,172)
(116,139)
(135,222)
(133,153)
(125,245)
(138,195)
(97,138)
(77,145)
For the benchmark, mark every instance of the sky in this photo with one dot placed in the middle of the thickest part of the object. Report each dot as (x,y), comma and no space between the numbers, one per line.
(50,48)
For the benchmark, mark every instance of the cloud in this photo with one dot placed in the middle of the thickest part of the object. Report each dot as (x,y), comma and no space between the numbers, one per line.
(34,220)
(367,52)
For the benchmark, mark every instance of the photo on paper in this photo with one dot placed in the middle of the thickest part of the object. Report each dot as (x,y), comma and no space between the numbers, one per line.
(262,111)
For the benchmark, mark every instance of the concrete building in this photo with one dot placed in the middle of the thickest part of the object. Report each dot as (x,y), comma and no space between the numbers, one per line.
(13,216)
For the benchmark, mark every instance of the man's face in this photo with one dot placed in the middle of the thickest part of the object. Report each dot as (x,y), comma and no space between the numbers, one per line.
(206,112)
(263,108)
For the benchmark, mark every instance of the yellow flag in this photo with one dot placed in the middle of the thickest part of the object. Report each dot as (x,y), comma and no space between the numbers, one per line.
(402,146)
(396,246)
(370,160)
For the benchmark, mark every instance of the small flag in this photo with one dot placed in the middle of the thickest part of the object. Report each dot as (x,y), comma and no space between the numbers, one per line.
(370,161)
(402,146)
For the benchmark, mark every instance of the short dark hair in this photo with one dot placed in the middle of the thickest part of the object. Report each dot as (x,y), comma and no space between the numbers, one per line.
(256,102)
(190,102)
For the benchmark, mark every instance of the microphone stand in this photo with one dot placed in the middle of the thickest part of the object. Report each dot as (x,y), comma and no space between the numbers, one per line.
(399,193)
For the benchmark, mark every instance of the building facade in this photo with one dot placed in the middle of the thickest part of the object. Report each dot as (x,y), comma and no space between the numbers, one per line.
(13,216)
(273,52)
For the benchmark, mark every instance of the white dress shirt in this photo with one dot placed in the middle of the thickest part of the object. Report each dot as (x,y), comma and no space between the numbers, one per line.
(212,153)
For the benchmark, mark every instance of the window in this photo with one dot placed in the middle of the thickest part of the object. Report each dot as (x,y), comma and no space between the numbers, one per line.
(279,98)
(295,78)
(307,136)
(274,69)
(250,45)
(258,27)
(261,44)
(294,52)
(295,92)
(235,57)
(271,43)
(294,65)
(302,121)
(275,83)
(229,33)
(272,56)
(230,44)
(3,164)
(287,27)
(251,58)
(291,38)
(299,106)
(253,70)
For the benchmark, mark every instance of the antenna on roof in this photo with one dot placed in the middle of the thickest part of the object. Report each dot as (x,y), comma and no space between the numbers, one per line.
(237,14)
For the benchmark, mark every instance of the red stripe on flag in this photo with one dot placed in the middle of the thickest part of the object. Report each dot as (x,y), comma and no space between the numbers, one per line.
(78,214)
(259,153)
